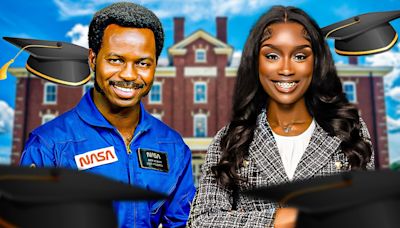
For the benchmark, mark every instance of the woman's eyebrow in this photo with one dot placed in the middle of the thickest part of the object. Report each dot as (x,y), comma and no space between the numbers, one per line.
(302,46)
(276,47)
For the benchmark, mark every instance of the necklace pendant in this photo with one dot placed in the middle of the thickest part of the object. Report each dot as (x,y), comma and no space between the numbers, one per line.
(287,129)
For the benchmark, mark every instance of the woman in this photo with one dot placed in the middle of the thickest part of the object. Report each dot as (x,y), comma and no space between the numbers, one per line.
(290,121)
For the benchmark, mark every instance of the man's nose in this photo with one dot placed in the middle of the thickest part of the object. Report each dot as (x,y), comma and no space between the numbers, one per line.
(128,73)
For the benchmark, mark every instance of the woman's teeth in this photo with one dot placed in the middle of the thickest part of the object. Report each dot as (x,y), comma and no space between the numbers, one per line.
(285,85)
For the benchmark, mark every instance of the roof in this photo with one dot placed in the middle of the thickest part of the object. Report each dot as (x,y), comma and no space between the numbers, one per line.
(220,46)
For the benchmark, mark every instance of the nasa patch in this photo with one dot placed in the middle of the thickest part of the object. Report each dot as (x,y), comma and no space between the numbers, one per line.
(151,159)
(95,158)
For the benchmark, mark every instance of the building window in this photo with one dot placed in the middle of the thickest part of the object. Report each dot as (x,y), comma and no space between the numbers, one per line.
(200,125)
(350,90)
(200,92)
(197,162)
(200,56)
(155,96)
(47,117)
(87,87)
(50,93)
(157,115)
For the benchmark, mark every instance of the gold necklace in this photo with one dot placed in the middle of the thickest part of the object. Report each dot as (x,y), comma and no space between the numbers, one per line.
(288,127)
(128,139)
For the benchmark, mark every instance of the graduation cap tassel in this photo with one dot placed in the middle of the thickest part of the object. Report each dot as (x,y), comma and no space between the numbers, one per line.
(356,20)
(4,68)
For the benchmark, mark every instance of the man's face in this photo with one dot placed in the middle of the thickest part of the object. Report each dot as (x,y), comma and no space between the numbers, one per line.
(125,65)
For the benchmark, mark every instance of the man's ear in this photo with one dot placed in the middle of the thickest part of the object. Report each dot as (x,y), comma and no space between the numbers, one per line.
(92,60)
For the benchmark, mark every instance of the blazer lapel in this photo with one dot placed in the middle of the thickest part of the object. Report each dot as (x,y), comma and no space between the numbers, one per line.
(264,151)
(317,154)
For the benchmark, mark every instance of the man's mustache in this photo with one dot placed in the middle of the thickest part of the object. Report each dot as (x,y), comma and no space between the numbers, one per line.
(124,84)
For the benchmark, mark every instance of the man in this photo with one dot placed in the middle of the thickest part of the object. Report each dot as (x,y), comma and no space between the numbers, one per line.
(110,133)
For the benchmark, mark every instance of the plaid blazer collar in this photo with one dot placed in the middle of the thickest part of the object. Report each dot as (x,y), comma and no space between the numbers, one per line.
(264,152)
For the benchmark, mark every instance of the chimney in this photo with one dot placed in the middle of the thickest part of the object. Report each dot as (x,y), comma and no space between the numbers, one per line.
(221,29)
(353,60)
(179,29)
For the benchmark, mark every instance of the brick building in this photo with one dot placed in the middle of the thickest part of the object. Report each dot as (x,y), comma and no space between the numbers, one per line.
(192,94)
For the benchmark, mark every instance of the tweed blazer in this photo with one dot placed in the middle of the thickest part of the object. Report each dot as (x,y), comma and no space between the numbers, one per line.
(212,206)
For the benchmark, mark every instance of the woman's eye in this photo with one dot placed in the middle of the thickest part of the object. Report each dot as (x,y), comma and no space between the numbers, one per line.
(300,57)
(272,56)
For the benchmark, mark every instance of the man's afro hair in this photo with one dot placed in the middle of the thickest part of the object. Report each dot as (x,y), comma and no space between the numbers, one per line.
(125,14)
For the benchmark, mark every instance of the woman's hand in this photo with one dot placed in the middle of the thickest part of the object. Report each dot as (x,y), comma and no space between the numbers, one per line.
(285,217)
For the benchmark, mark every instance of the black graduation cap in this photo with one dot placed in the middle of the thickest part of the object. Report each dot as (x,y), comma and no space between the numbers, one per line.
(366,199)
(53,197)
(60,62)
(365,34)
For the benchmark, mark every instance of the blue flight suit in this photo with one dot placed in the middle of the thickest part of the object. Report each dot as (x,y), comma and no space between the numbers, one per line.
(156,159)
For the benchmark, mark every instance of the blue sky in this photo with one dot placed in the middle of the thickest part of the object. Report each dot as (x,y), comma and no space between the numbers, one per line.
(66,20)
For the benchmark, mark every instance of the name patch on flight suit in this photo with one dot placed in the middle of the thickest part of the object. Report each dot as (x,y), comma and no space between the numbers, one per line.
(150,159)
(95,158)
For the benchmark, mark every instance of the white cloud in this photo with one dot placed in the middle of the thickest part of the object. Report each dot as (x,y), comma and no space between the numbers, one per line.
(193,10)
(344,11)
(394,93)
(6,118)
(398,110)
(68,9)
(236,58)
(163,61)
(79,35)
(393,124)
(340,62)
(388,58)
(394,147)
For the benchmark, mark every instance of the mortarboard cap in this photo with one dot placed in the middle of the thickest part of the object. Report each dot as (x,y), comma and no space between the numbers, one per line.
(365,34)
(50,197)
(60,62)
(356,199)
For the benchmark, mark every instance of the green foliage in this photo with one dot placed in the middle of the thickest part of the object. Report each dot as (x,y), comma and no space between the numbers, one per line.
(395,166)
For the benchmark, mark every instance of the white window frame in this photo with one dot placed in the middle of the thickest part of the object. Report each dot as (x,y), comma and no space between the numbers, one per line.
(45,101)
(197,51)
(195,92)
(353,84)
(91,84)
(47,117)
(151,101)
(200,116)
(197,162)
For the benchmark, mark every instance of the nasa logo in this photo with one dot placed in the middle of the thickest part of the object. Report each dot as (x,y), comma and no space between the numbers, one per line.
(95,158)
(151,154)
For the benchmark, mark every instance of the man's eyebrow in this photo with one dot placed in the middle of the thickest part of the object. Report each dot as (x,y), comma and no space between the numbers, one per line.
(146,58)
(113,54)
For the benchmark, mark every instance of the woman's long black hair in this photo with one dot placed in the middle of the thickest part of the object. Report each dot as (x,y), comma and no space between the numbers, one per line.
(325,99)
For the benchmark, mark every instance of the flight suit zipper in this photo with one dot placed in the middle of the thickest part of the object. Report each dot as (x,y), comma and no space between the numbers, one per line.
(129,151)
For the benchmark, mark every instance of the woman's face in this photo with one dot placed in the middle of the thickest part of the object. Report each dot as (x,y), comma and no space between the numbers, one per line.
(286,63)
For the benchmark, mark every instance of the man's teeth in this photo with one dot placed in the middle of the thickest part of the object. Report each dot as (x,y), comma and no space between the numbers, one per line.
(124,89)
(286,85)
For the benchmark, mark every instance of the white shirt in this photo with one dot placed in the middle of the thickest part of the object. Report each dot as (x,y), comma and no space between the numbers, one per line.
(291,148)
